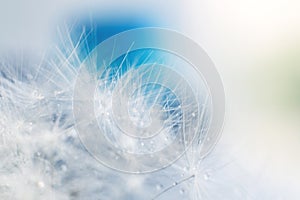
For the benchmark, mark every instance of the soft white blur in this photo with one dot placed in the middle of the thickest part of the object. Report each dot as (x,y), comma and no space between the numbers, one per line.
(256,47)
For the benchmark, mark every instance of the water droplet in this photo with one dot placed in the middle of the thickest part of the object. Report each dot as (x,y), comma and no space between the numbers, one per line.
(182,191)
(41,184)
(37,95)
(64,168)
(159,186)
(206,176)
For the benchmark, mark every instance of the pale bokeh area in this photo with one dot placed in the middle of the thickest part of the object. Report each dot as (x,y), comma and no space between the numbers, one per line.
(255,45)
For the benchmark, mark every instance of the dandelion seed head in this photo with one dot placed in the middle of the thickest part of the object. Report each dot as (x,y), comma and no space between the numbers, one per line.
(144,101)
